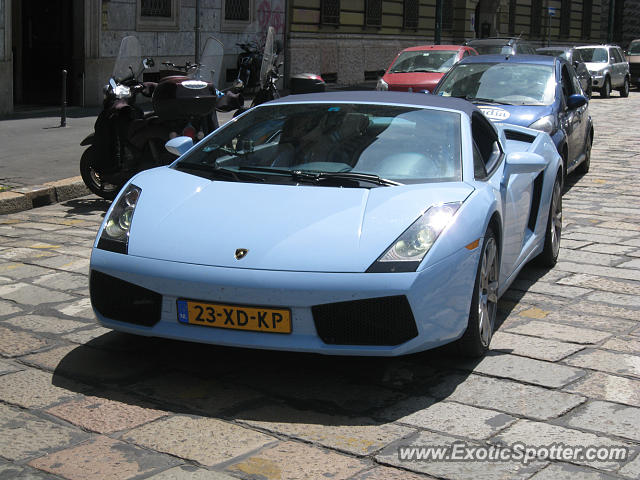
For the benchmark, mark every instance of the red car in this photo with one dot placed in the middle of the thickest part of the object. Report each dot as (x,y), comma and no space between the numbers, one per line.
(421,68)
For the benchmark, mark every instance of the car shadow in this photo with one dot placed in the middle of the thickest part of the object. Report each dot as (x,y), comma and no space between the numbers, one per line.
(260,385)
(86,206)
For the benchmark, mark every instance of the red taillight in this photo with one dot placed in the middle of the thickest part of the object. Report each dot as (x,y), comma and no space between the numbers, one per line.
(189,131)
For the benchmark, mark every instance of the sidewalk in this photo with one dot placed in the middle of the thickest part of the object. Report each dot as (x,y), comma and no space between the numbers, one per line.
(39,162)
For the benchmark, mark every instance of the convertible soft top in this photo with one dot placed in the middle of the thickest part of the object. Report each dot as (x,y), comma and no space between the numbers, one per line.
(374,96)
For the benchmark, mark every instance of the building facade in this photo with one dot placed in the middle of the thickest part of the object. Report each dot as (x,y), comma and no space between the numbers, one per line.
(351,40)
(347,41)
(41,38)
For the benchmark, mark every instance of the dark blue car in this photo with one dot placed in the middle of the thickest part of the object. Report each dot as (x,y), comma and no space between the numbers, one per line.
(534,91)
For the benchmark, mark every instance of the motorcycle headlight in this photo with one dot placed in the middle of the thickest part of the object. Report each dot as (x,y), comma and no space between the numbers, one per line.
(115,235)
(406,253)
(122,91)
(546,124)
(382,85)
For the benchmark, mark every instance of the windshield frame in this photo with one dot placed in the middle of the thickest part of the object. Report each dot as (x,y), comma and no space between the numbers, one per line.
(413,54)
(459,149)
(636,44)
(593,50)
(547,98)
(128,61)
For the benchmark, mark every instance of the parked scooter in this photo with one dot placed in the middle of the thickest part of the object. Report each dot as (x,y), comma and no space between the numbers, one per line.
(269,73)
(248,64)
(126,140)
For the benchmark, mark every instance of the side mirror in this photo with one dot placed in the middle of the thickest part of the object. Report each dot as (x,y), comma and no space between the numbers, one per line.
(576,101)
(148,62)
(179,145)
(112,83)
(524,162)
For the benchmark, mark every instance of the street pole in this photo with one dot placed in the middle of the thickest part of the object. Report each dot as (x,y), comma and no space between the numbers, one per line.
(197,55)
(612,11)
(438,22)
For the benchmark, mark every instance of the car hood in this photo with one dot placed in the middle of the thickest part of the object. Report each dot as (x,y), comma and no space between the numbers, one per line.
(186,218)
(522,115)
(596,66)
(417,80)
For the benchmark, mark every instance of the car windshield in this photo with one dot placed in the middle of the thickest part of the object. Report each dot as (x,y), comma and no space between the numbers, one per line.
(350,145)
(554,53)
(507,83)
(493,49)
(634,48)
(595,55)
(432,61)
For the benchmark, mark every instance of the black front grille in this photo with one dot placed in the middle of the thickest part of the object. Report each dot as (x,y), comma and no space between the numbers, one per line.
(124,301)
(376,321)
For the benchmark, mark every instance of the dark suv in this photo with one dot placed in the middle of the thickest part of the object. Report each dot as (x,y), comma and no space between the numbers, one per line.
(501,46)
(574,57)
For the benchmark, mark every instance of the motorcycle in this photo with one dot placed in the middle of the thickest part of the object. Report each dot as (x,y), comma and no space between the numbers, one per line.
(248,64)
(125,139)
(269,73)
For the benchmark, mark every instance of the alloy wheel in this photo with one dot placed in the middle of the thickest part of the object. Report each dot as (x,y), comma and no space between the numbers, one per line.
(488,291)
(555,225)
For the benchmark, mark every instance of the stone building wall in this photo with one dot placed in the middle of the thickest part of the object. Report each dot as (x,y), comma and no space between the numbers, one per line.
(119,18)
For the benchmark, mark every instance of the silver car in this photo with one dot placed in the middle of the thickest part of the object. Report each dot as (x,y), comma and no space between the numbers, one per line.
(608,68)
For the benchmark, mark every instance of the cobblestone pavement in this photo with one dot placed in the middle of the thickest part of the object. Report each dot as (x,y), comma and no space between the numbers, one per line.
(80,401)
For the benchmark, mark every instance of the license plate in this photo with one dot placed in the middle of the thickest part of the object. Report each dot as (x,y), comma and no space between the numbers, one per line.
(235,317)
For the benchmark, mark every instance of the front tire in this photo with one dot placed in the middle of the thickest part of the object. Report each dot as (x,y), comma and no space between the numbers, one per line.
(92,179)
(549,255)
(484,302)
(624,91)
(605,91)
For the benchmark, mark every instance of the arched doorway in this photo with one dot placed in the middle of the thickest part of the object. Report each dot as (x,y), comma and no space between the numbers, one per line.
(485,18)
(47,37)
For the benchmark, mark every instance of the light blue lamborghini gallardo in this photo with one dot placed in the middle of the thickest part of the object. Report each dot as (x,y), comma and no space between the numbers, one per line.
(356,223)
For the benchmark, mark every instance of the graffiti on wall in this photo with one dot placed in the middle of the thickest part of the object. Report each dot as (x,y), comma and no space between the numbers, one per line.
(270,15)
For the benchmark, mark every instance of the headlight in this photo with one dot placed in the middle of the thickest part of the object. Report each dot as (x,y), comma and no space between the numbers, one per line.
(122,91)
(115,235)
(409,249)
(546,124)
(382,85)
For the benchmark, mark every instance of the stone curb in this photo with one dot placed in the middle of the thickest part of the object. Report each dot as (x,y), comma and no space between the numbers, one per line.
(26,198)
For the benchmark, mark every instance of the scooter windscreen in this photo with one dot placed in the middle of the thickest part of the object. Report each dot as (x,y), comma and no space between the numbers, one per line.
(210,62)
(268,57)
(129,61)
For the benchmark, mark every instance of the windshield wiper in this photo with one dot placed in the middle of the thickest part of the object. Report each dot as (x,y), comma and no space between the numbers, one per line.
(360,177)
(216,169)
(316,177)
(473,99)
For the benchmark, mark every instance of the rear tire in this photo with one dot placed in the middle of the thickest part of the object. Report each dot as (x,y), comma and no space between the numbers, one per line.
(484,302)
(624,91)
(240,111)
(91,177)
(605,91)
(583,168)
(549,255)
